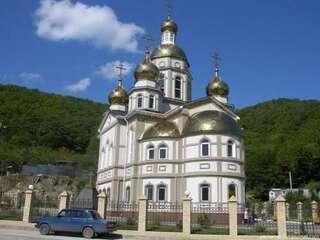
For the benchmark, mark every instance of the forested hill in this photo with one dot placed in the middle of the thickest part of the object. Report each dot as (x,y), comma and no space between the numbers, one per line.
(44,128)
(280,136)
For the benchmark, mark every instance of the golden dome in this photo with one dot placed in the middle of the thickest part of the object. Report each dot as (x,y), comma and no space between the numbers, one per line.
(162,129)
(118,96)
(217,87)
(169,50)
(211,122)
(169,25)
(146,70)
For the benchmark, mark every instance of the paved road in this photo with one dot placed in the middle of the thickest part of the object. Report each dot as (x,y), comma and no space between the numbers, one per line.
(13,234)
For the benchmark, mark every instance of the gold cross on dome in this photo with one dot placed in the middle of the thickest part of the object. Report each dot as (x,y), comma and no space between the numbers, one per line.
(216,58)
(121,69)
(169,9)
(148,39)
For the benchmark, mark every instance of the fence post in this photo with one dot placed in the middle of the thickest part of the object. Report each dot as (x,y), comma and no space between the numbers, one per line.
(27,206)
(143,204)
(63,200)
(102,204)
(274,210)
(281,217)
(314,206)
(186,215)
(287,210)
(233,216)
(299,211)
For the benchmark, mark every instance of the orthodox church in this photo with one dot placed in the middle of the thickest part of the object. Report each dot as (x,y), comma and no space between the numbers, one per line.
(156,141)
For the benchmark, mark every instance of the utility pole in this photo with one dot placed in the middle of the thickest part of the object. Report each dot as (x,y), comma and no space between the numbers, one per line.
(290,180)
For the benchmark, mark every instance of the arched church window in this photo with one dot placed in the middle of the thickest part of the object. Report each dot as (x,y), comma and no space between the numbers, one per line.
(151,101)
(204,146)
(161,192)
(140,101)
(177,65)
(160,82)
(230,149)
(177,87)
(148,191)
(162,64)
(171,37)
(108,195)
(163,151)
(150,152)
(204,192)
(128,194)
(232,190)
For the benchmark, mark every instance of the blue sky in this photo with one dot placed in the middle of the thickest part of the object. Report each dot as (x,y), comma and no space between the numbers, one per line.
(269,49)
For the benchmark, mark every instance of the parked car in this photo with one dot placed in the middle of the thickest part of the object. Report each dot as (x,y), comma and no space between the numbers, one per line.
(85,221)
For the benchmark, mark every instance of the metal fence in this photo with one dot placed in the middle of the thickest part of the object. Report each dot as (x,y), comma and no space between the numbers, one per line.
(164,216)
(210,218)
(44,206)
(300,223)
(11,206)
(125,214)
(253,221)
(83,204)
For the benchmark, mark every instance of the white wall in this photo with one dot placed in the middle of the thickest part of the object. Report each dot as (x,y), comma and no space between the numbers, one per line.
(201,166)
(192,147)
(193,186)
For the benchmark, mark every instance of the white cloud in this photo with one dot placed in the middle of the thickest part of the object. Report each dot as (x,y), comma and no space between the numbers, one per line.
(109,70)
(65,20)
(28,77)
(79,86)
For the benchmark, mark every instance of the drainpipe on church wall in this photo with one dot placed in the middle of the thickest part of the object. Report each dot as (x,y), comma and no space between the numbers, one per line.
(125,164)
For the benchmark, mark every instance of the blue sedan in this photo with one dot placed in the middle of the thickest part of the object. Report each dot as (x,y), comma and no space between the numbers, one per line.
(85,221)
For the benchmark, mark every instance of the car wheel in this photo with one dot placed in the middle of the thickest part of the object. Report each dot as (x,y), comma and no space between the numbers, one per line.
(88,232)
(44,229)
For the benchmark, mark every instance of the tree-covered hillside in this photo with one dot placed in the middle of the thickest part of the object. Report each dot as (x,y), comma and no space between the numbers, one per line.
(281,135)
(43,128)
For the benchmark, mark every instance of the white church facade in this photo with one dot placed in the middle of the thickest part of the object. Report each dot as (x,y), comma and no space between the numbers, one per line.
(158,142)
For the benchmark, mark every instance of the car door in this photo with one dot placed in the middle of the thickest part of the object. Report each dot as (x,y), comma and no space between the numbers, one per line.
(77,220)
(62,221)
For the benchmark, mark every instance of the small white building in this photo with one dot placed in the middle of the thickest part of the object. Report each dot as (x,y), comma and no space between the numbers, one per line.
(158,142)
(275,192)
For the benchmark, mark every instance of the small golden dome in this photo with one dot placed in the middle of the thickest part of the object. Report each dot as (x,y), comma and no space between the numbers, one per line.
(162,129)
(146,70)
(118,96)
(169,25)
(214,122)
(217,87)
(169,50)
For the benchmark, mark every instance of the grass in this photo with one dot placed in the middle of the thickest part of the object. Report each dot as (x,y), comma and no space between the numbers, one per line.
(210,230)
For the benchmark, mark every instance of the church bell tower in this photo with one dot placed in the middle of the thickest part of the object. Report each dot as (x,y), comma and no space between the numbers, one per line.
(175,78)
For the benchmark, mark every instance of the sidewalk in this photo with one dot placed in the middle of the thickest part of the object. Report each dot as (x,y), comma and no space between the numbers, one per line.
(155,235)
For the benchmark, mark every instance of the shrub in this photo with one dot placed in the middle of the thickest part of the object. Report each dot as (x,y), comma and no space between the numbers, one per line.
(204,221)
(130,222)
(260,229)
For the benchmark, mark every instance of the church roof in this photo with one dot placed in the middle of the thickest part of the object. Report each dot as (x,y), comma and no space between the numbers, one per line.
(169,50)
(163,129)
(211,122)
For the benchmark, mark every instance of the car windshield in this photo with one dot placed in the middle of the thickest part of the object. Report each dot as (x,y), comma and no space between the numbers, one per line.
(95,215)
